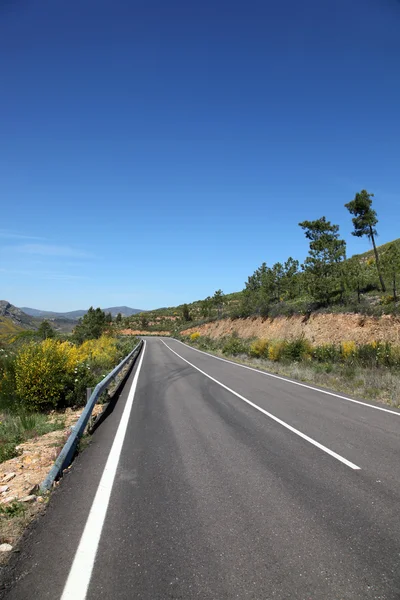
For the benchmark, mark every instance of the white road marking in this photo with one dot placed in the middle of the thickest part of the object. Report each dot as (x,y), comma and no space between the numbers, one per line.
(81,571)
(305,385)
(283,423)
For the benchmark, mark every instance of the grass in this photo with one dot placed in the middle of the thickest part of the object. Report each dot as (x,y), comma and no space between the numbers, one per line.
(18,428)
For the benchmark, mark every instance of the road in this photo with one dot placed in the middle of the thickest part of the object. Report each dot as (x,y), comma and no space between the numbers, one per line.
(212,481)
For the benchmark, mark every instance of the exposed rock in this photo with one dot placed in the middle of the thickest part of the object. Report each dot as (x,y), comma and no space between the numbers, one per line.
(30,498)
(9,499)
(8,477)
(5,547)
(4,488)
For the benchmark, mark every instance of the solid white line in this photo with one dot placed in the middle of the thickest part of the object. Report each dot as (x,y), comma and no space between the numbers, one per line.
(305,385)
(81,571)
(296,431)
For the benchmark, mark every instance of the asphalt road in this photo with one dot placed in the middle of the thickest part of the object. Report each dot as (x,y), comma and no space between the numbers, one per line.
(213,481)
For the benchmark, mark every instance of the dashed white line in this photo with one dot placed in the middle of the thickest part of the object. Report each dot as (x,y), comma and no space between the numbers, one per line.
(271,416)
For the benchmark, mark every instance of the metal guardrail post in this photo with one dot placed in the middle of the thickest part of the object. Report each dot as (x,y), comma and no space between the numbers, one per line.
(65,457)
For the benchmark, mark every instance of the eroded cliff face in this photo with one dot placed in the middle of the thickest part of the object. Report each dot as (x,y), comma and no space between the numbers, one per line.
(318,328)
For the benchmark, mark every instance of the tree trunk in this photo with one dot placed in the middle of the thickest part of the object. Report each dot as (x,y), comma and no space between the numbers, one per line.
(378,266)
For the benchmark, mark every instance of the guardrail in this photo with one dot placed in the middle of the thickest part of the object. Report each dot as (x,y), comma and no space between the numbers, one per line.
(64,459)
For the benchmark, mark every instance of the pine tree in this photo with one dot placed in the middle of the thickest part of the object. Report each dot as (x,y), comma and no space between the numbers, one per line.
(364,221)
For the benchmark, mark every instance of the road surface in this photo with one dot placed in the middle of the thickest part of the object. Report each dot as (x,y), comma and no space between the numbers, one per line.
(212,481)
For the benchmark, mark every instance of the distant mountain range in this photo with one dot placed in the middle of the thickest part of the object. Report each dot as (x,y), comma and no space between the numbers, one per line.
(74,315)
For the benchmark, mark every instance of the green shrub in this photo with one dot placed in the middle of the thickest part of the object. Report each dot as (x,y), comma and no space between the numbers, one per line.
(326,353)
(299,349)
(276,350)
(233,345)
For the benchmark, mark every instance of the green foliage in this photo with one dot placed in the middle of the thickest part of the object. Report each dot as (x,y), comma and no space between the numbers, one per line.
(298,349)
(144,322)
(185,313)
(323,266)
(391,267)
(17,428)
(45,331)
(234,345)
(13,509)
(364,221)
(218,301)
(91,326)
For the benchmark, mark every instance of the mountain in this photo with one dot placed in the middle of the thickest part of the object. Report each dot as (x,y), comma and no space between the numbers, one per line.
(16,315)
(125,311)
(13,320)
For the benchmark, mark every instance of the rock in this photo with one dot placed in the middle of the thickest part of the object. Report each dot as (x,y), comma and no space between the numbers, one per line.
(5,547)
(40,499)
(10,499)
(4,488)
(8,477)
(30,498)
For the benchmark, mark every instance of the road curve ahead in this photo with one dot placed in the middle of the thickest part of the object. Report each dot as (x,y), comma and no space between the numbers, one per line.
(212,481)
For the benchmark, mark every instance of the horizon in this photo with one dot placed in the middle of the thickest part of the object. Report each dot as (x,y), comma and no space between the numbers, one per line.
(154,154)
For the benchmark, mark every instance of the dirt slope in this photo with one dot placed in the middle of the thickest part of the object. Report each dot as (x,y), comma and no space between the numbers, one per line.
(318,328)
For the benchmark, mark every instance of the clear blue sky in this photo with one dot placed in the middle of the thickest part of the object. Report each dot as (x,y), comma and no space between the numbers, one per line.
(152,151)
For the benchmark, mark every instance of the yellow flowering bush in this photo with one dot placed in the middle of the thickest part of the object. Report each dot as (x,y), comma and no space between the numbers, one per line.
(39,374)
(259,348)
(53,374)
(349,350)
(195,336)
(102,350)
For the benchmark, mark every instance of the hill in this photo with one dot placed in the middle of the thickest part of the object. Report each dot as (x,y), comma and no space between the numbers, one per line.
(125,311)
(13,320)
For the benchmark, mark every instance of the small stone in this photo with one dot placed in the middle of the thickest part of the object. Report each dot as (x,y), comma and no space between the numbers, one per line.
(4,488)
(30,498)
(8,477)
(5,547)
(40,499)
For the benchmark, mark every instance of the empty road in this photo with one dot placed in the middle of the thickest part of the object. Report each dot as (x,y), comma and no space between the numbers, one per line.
(212,481)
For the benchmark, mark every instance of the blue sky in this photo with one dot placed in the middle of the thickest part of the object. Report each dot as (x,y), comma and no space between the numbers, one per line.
(152,152)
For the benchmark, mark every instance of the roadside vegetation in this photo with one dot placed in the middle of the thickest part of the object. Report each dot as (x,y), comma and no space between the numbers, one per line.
(42,374)
(370,371)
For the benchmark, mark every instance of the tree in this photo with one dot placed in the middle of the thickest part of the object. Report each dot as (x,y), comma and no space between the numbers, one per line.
(206,306)
(364,221)
(108,318)
(391,266)
(219,301)
(91,326)
(144,322)
(357,275)
(323,266)
(290,277)
(118,318)
(185,313)
(45,330)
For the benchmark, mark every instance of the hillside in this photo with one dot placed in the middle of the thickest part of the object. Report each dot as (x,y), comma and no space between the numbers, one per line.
(13,320)
(125,311)
(16,315)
